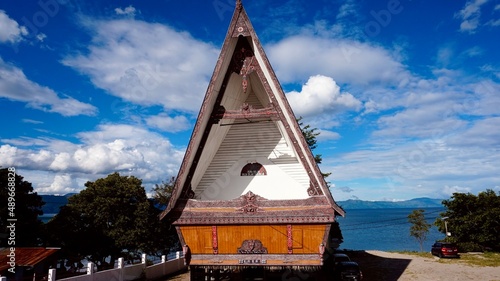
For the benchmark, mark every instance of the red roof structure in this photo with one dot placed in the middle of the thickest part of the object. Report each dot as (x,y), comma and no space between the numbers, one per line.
(25,257)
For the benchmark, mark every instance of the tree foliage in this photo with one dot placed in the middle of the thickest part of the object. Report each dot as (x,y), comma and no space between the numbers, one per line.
(310,135)
(473,219)
(25,206)
(419,226)
(163,192)
(110,218)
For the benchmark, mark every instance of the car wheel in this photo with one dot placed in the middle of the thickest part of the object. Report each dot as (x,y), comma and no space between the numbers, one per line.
(440,255)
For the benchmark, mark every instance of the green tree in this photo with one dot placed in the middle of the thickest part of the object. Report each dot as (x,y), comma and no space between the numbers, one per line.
(419,226)
(110,218)
(163,192)
(25,206)
(161,197)
(473,220)
(310,135)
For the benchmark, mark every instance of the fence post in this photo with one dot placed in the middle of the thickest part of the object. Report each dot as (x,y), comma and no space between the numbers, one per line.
(178,255)
(121,272)
(90,268)
(52,275)
(163,259)
(143,259)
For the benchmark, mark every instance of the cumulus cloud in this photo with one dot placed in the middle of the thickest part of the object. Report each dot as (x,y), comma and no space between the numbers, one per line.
(15,86)
(433,136)
(11,31)
(321,94)
(348,61)
(60,184)
(146,63)
(470,15)
(112,147)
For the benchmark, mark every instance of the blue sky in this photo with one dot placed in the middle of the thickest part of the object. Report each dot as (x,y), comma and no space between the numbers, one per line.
(406,94)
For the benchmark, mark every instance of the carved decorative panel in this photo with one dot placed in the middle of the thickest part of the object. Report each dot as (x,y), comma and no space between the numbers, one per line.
(252,246)
(215,243)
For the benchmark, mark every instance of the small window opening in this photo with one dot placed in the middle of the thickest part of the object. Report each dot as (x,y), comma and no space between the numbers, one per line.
(253,169)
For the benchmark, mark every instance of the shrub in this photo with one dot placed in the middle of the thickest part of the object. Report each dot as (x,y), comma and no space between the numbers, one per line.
(464,247)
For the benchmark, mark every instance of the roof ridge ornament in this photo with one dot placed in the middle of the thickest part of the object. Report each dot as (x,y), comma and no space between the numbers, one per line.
(239,5)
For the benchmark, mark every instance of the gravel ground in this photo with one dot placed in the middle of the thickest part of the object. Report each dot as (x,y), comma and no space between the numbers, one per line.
(378,265)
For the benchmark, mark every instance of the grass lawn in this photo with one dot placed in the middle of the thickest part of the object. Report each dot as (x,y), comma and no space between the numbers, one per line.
(476,259)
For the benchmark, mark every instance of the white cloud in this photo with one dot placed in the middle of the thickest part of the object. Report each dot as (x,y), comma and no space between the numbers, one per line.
(167,123)
(449,190)
(60,184)
(432,137)
(470,15)
(345,60)
(348,8)
(11,31)
(321,94)
(128,11)
(325,135)
(31,121)
(8,155)
(15,86)
(147,63)
(112,147)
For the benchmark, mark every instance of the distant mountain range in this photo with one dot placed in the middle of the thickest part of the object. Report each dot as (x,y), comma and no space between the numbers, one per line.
(412,203)
(54,202)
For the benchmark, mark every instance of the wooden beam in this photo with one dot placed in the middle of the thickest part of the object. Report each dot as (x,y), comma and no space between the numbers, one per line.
(246,112)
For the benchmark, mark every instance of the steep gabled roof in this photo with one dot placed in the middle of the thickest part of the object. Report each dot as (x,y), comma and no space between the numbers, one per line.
(243,67)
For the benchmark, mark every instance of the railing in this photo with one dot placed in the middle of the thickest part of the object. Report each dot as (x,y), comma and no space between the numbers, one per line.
(128,272)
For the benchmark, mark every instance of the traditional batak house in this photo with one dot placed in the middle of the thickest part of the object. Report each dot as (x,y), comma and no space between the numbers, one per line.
(249,193)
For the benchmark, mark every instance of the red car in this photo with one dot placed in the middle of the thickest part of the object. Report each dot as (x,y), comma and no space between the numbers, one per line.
(445,249)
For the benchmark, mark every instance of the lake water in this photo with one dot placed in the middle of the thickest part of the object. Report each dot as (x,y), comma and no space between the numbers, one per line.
(385,229)
(377,229)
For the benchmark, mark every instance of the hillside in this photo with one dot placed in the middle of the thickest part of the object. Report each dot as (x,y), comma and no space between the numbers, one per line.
(53,202)
(412,203)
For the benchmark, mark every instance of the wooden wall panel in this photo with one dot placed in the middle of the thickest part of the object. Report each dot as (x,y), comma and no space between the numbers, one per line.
(274,238)
(312,236)
(306,238)
(198,238)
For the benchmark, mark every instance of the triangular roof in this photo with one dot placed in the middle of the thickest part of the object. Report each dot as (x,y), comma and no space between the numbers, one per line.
(243,96)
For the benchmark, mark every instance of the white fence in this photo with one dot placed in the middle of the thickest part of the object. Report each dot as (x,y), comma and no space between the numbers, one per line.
(130,272)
